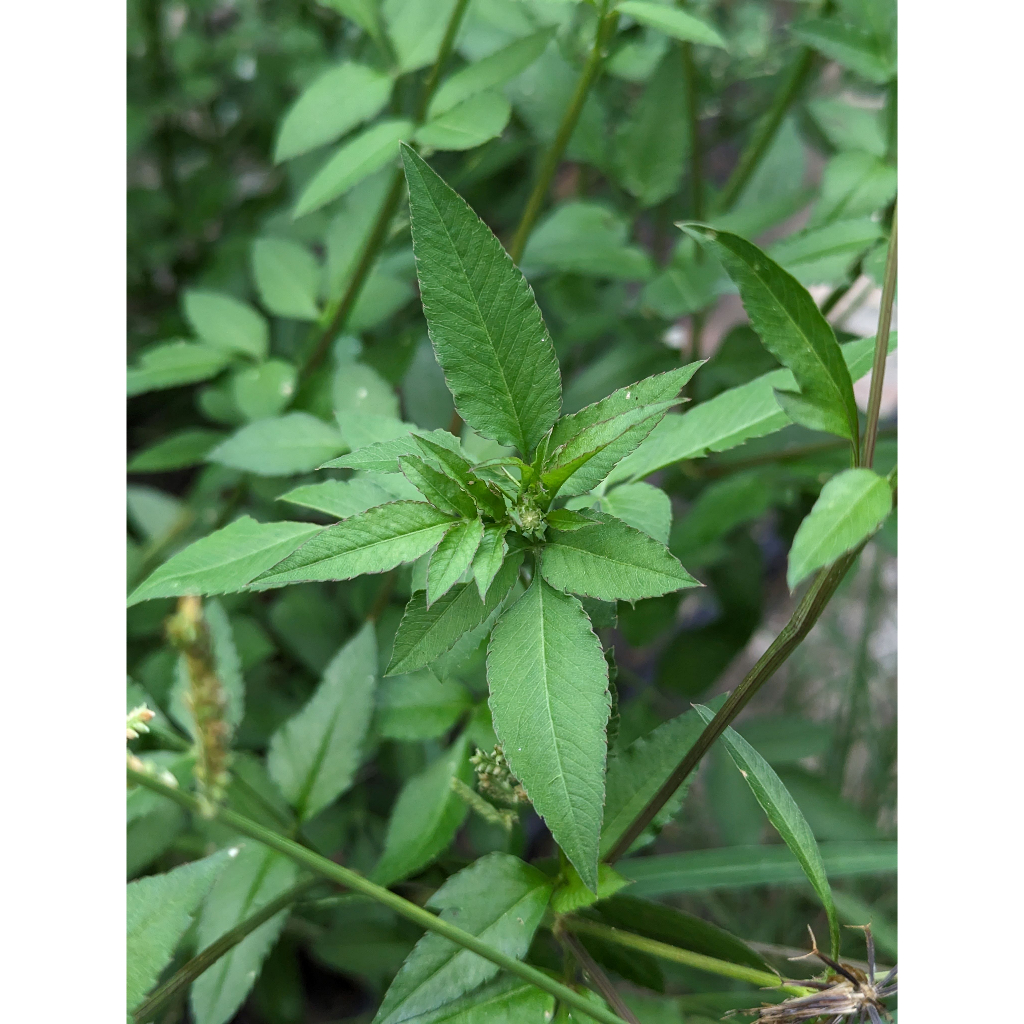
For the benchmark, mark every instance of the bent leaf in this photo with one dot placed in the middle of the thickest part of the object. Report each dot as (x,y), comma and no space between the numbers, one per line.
(452,557)
(279,445)
(226,323)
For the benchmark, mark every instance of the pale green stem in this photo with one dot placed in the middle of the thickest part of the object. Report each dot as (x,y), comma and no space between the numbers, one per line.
(881,349)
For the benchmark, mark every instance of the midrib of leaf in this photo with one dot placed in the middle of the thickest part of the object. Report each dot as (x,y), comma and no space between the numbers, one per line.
(837,522)
(615,561)
(307,786)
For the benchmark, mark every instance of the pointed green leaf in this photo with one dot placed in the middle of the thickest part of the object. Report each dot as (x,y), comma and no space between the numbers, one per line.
(452,557)
(642,506)
(381,456)
(340,498)
(548,680)
(263,390)
(280,445)
(449,458)
(225,561)
(489,557)
(416,29)
(851,506)
(854,184)
(851,46)
(467,125)
(672,21)
(330,106)
(426,633)
(160,910)
(612,562)
(572,894)
(314,755)
(288,278)
(419,706)
(254,878)
(505,1001)
(499,899)
(373,541)
(225,323)
(425,817)
(174,363)
(178,450)
(440,490)
(486,329)
(784,814)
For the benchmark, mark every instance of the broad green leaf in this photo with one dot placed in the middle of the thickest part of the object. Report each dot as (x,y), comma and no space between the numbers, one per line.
(849,127)
(419,706)
(365,13)
(612,562)
(586,238)
(452,557)
(500,900)
(225,561)
(373,541)
(369,151)
(334,103)
(160,910)
(672,21)
(728,419)
(439,489)
(288,278)
(225,323)
(254,878)
(264,390)
(849,509)
(505,1001)
(641,506)
(740,866)
(487,332)
(341,498)
(416,29)
(548,681)
(176,451)
(381,296)
(489,557)
(854,184)
(468,125)
(314,755)
(280,445)
(425,817)
(382,455)
(426,633)
(851,46)
(358,390)
(794,330)
(173,363)
(784,814)
(490,72)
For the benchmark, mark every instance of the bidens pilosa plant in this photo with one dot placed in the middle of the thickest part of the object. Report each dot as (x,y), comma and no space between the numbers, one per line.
(470,814)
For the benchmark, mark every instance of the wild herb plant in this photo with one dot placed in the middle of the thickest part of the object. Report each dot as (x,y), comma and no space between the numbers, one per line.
(434,734)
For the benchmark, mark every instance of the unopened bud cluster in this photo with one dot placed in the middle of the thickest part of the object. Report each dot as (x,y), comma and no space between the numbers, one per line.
(137,719)
(495,779)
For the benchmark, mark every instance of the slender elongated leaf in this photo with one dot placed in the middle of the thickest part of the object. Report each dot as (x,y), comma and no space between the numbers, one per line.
(489,557)
(341,498)
(794,330)
(784,814)
(225,561)
(468,125)
(672,21)
(373,541)
(426,633)
(160,910)
(331,105)
(295,443)
(452,557)
(425,817)
(288,278)
(175,363)
(849,509)
(314,755)
(487,332)
(439,489)
(499,899)
(612,562)
(254,878)
(549,698)
(225,323)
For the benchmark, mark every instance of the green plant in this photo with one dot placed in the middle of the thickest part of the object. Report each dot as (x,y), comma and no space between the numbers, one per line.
(411,692)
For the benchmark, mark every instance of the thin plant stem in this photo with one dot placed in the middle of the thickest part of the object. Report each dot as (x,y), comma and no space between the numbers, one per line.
(204,960)
(881,349)
(605,27)
(642,944)
(601,980)
(336,315)
(791,636)
(696,174)
(352,880)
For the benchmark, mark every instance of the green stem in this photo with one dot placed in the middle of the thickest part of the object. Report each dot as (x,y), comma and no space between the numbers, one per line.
(642,944)
(806,615)
(345,876)
(201,962)
(336,315)
(881,349)
(605,27)
(601,980)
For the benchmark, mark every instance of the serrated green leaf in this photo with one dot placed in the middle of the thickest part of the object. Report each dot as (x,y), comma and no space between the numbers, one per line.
(425,818)
(419,706)
(446,454)
(467,125)
(313,756)
(784,814)
(280,445)
(672,21)
(642,506)
(489,557)
(373,541)
(487,332)
(794,330)
(549,698)
(174,363)
(225,561)
(439,489)
(612,562)
(381,456)
(287,277)
(426,633)
(369,151)
(254,878)
(160,910)
(499,899)
(331,105)
(176,451)
(227,324)
(341,498)
(264,390)
(849,509)
(452,557)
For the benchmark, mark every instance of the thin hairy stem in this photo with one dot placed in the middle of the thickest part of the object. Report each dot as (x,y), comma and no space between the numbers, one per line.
(881,349)
(601,980)
(351,879)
